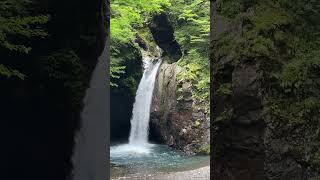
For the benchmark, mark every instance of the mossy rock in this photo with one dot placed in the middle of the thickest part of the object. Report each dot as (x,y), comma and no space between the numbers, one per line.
(204,150)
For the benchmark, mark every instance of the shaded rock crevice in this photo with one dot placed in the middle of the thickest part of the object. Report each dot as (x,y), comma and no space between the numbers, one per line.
(163,35)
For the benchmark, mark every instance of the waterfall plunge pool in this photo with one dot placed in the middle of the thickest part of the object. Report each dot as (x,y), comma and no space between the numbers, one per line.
(139,156)
(151,158)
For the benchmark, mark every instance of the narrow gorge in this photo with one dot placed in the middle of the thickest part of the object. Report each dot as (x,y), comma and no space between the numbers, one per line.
(177,132)
(174,117)
(237,80)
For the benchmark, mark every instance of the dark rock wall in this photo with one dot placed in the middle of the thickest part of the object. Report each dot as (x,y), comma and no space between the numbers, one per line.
(238,143)
(175,119)
(163,103)
(40,114)
(163,35)
(177,122)
(247,142)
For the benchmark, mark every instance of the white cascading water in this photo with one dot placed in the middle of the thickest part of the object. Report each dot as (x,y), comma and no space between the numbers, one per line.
(141,108)
(138,139)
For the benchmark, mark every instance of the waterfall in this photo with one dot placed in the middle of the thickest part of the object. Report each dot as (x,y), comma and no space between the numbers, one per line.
(141,108)
(138,139)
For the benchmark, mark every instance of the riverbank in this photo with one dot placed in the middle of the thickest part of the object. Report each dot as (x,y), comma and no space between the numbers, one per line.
(198,174)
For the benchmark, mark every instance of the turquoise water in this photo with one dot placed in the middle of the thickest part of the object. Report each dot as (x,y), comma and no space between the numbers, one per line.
(153,158)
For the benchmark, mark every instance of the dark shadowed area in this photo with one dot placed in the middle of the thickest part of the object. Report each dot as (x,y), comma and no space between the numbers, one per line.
(41,113)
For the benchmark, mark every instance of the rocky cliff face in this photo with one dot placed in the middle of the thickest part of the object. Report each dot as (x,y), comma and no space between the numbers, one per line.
(163,35)
(175,119)
(238,146)
(247,142)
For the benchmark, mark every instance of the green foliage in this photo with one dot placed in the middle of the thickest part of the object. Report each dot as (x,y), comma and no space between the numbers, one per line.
(233,8)
(205,150)
(121,22)
(64,66)
(20,26)
(56,64)
(300,85)
(229,8)
(16,25)
(302,73)
(197,123)
(192,30)
(127,17)
(122,54)
(282,38)
(225,89)
(191,21)
(7,72)
(276,39)
(126,68)
(131,84)
(264,34)
(115,71)
(195,69)
(224,45)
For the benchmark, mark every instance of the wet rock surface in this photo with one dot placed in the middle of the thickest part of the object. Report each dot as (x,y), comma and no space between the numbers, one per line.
(177,122)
